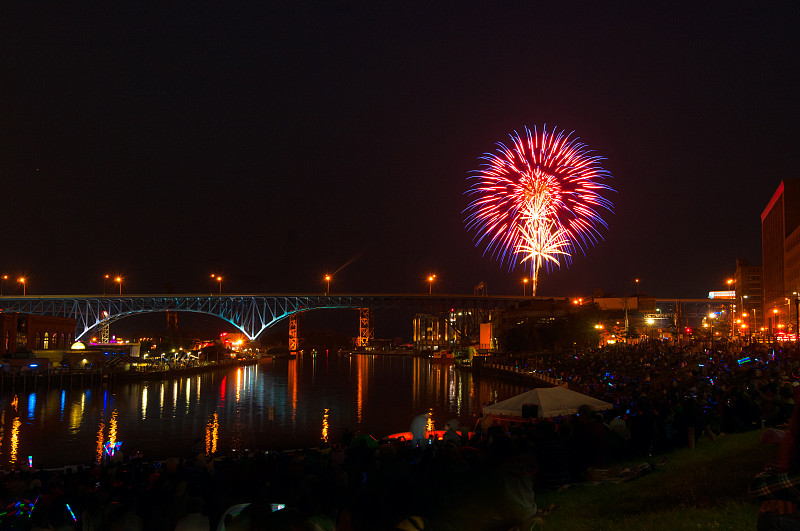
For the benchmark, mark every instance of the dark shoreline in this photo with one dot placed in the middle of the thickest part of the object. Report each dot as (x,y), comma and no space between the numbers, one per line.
(70,379)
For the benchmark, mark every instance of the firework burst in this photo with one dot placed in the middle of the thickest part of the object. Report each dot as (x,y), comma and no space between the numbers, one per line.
(538,199)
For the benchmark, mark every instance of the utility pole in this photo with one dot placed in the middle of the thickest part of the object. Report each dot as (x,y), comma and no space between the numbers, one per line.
(797,320)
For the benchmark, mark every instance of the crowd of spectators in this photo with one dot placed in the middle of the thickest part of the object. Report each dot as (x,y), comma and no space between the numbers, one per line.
(664,397)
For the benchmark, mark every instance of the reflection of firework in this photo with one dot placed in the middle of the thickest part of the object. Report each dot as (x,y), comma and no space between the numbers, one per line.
(539,199)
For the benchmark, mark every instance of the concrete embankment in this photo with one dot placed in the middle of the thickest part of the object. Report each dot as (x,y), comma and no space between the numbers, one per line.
(525,375)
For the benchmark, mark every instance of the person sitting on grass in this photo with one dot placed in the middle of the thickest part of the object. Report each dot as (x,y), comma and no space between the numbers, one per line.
(778,485)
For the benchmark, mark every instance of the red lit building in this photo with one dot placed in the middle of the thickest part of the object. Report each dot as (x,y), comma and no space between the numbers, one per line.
(22,332)
(780,253)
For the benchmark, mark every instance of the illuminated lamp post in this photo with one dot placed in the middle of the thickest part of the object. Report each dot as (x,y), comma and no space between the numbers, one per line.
(731,282)
(748,325)
(219,281)
(797,320)
(327,284)
(743,312)
(118,280)
(744,328)
(524,285)
(21,280)
(775,324)
(650,322)
(2,283)
(431,278)
(711,318)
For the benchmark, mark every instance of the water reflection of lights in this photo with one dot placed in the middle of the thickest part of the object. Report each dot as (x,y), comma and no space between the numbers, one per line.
(63,403)
(292,382)
(325,426)
(15,425)
(76,413)
(31,405)
(175,398)
(459,397)
(360,383)
(418,377)
(212,433)
(99,449)
(188,392)
(188,388)
(101,434)
(112,428)
(144,402)
(238,384)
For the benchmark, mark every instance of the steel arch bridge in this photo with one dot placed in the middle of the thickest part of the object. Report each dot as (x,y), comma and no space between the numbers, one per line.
(252,314)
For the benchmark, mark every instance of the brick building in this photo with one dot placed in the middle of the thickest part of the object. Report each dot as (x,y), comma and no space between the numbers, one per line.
(20,332)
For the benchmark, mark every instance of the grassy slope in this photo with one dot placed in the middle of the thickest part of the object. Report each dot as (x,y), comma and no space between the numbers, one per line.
(704,488)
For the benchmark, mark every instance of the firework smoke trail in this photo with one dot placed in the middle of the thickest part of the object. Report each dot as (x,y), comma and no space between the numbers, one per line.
(539,198)
(353,259)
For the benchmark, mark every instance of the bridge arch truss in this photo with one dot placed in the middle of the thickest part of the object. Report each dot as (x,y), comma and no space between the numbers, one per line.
(252,314)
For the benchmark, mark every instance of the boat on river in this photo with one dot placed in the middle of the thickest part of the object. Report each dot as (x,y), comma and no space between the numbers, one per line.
(442,357)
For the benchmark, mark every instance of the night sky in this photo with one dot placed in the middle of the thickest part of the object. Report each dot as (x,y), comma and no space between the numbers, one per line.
(271,145)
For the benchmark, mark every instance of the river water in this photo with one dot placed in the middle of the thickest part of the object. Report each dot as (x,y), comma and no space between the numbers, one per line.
(277,404)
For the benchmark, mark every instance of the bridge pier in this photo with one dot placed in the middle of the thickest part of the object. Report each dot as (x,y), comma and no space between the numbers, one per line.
(293,341)
(365,331)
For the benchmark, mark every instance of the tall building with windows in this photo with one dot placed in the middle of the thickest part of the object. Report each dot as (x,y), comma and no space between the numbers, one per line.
(780,254)
(748,298)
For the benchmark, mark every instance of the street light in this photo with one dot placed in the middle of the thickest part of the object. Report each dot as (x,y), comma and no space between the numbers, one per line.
(747,327)
(711,318)
(431,278)
(776,322)
(2,283)
(524,285)
(730,283)
(21,280)
(327,284)
(650,321)
(118,280)
(743,311)
(105,283)
(797,319)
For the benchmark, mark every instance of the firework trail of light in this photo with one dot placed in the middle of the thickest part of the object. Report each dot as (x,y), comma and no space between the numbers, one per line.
(539,199)
(353,259)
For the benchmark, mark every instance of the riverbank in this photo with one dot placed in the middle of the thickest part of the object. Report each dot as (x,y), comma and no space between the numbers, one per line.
(701,488)
(79,379)
(684,489)
(519,375)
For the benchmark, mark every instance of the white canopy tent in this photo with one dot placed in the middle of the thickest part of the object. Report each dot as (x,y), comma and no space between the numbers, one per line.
(552,402)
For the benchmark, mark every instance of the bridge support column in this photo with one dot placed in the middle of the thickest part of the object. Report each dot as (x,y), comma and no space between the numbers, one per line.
(365,331)
(105,332)
(293,343)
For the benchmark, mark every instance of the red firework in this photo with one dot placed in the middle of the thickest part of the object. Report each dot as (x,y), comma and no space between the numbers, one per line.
(538,199)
